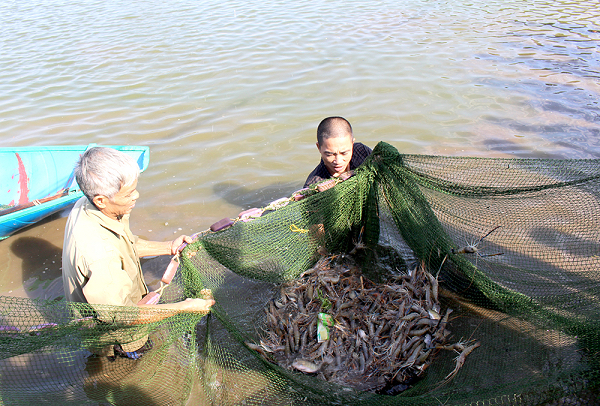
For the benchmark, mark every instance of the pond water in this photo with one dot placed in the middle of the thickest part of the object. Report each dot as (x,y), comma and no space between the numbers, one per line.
(228,94)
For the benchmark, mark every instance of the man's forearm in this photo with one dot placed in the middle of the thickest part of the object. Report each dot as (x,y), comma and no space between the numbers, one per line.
(147,248)
(149,313)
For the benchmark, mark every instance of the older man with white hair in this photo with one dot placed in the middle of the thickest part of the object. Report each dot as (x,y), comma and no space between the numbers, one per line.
(100,263)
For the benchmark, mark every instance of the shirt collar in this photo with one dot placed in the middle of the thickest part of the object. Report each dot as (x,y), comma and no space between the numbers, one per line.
(117,227)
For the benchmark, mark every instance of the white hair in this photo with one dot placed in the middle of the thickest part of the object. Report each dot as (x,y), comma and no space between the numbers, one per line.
(103,171)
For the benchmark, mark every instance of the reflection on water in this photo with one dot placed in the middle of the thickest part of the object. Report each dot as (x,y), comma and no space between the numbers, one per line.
(228,94)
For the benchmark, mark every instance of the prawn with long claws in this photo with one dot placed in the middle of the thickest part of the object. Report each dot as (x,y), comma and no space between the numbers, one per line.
(460,360)
(473,248)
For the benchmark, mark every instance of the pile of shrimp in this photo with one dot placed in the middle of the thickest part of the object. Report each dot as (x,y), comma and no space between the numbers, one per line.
(336,324)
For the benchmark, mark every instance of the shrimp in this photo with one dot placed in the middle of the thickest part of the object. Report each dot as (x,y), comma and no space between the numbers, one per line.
(358,245)
(473,248)
(460,360)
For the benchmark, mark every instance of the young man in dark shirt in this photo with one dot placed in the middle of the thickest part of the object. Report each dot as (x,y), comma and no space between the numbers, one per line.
(339,152)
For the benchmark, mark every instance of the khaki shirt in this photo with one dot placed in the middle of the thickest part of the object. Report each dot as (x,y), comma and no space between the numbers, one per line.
(100,264)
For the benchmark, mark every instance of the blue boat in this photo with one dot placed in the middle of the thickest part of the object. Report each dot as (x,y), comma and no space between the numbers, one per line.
(36,182)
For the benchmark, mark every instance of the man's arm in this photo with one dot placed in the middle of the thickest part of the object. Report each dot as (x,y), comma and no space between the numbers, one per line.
(149,313)
(150,248)
(152,313)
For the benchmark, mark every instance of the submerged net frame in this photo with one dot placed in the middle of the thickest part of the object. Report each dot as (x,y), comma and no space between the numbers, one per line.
(534,307)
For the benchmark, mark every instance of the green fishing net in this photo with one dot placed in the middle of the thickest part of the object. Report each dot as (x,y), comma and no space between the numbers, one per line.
(514,244)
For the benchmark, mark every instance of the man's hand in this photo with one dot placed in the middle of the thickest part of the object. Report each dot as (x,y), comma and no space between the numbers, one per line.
(176,243)
(196,305)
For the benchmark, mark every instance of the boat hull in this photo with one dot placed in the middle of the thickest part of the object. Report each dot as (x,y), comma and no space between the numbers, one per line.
(36,182)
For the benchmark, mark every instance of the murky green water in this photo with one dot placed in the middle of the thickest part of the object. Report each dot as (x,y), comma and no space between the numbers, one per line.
(228,94)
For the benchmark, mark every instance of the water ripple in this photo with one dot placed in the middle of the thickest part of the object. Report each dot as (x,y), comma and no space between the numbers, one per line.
(230,92)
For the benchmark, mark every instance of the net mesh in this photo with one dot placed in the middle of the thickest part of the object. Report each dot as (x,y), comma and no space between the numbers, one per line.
(514,244)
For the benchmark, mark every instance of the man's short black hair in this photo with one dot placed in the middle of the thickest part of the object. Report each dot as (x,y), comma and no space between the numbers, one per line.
(332,127)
